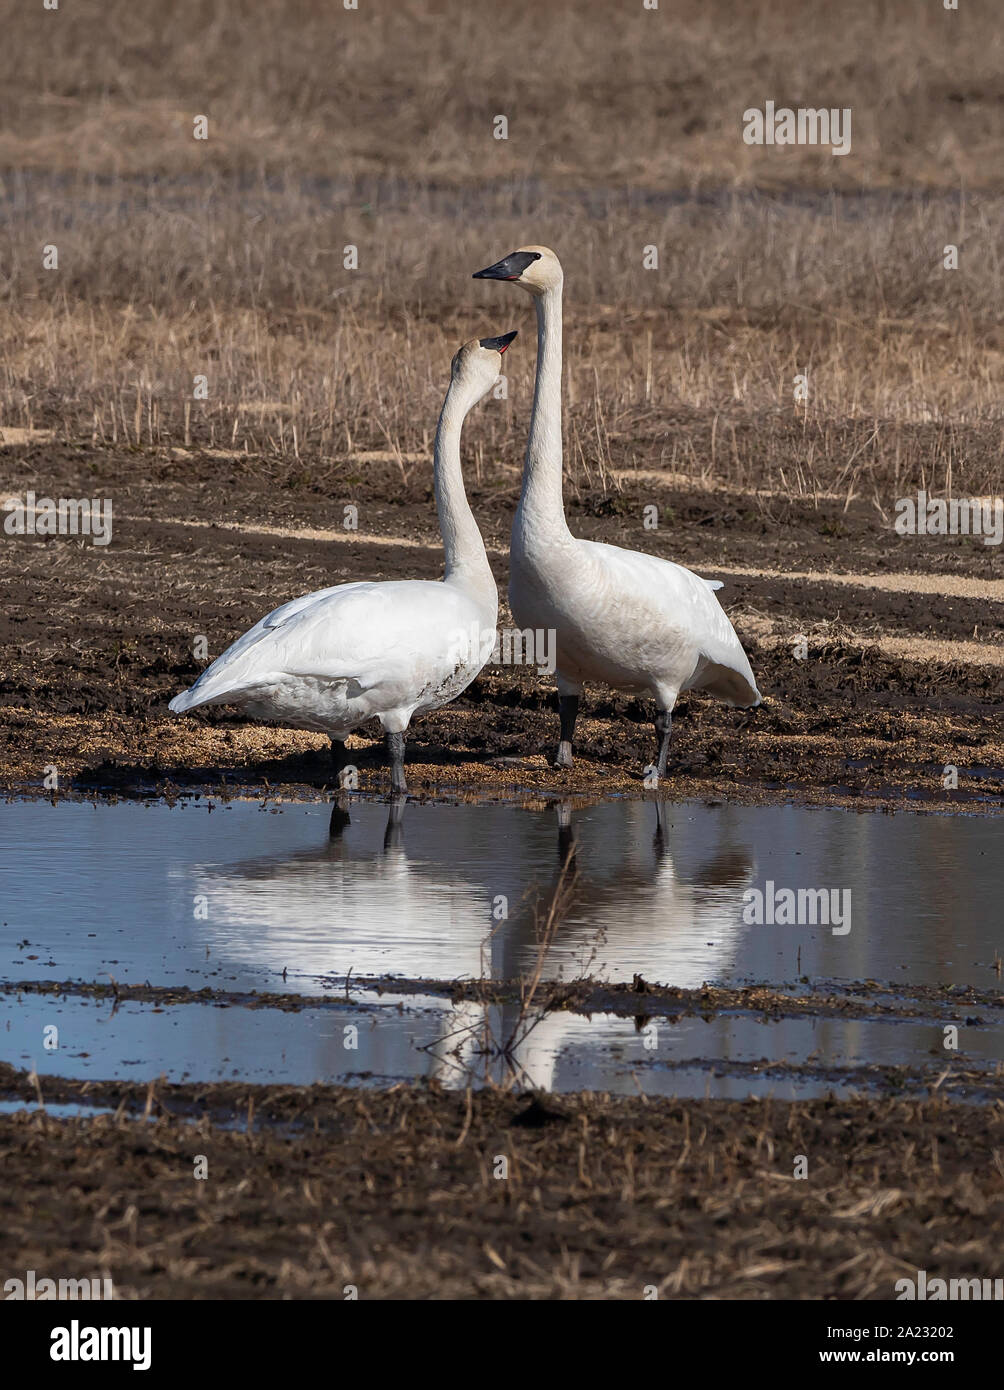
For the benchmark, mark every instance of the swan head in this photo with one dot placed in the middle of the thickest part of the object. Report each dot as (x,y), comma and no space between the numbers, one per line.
(535,268)
(477,364)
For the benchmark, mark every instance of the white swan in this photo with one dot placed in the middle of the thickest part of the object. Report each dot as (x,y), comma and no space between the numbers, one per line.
(333,659)
(630,620)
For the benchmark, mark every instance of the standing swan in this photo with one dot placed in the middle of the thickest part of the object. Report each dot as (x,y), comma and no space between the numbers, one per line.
(333,659)
(630,620)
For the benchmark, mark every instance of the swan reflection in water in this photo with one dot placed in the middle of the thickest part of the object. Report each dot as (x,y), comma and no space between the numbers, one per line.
(353,901)
(584,898)
(633,916)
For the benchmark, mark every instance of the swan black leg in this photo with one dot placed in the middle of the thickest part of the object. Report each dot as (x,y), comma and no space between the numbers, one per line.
(395,751)
(566,833)
(340,760)
(393,834)
(339,820)
(568,709)
(663,728)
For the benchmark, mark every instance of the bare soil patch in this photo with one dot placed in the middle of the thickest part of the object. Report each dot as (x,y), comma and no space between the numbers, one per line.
(319,1187)
(899,681)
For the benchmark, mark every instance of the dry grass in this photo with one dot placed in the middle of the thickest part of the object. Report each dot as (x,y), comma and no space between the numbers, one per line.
(595,93)
(693,370)
(395,1192)
(328,127)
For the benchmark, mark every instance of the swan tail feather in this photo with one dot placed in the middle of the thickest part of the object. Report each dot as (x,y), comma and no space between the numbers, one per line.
(193,698)
(221,688)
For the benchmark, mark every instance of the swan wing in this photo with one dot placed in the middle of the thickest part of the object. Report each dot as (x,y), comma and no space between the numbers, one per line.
(689,606)
(222,674)
(398,633)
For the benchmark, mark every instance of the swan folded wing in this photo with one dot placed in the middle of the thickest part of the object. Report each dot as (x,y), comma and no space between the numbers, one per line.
(222,675)
(404,634)
(690,606)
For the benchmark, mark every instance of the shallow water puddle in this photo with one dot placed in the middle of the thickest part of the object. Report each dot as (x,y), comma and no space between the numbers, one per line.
(459,1046)
(62,1110)
(241,898)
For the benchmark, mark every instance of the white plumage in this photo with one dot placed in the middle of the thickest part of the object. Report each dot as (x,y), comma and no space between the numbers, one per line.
(633,621)
(333,659)
(630,620)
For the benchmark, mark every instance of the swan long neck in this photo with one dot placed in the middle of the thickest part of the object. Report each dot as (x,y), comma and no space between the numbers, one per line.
(541,495)
(466,559)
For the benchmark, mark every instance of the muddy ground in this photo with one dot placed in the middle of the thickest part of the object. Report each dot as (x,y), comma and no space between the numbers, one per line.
(181,255)
(317,1188)
(903,676)
(312,1189)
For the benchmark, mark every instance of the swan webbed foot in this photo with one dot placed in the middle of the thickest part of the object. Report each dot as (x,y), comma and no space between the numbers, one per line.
(346,775)
(663,729)
(395,751)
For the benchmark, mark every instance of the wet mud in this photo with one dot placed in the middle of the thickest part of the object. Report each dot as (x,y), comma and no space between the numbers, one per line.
(312,1189)
(98,639)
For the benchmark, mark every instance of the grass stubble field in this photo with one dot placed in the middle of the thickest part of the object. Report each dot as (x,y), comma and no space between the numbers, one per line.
(224,257)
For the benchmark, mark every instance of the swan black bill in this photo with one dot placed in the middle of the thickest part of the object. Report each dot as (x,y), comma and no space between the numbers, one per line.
(511,267)
(498,344)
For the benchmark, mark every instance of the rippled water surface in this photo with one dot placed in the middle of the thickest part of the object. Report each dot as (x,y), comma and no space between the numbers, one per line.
(241,898)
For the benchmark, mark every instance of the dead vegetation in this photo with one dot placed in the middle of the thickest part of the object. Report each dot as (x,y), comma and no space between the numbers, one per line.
(398,1193)
(224,257)
(595,94)
(693,372)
